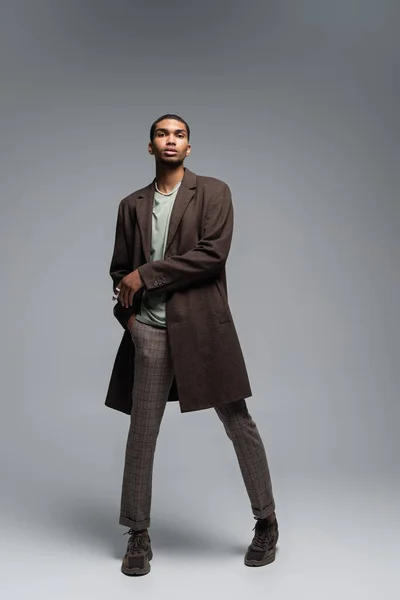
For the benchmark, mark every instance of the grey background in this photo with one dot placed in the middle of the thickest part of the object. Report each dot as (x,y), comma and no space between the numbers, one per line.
(295,106)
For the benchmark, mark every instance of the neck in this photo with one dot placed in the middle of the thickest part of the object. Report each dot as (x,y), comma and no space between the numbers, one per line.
(167,178)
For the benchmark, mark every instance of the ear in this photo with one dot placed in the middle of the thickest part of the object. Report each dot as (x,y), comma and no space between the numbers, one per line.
(150,148)
(188,150)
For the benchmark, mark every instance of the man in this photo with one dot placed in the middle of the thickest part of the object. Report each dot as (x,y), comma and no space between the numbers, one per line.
(180,343)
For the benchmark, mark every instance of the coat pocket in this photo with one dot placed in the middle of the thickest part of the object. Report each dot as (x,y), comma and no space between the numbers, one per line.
(222,306)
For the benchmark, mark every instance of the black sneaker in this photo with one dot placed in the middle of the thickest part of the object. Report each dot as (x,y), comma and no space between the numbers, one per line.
(138,553)
(262,548)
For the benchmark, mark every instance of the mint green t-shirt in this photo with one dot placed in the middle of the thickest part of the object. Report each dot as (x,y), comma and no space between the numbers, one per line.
(152,310)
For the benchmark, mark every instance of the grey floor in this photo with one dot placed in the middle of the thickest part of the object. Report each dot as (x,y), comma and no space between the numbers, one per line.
(339,539)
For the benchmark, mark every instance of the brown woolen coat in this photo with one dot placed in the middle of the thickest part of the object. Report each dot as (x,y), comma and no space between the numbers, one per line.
(206,355)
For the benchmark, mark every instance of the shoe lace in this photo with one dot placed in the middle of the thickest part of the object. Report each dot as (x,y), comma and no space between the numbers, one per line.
(137,541)
(264,533)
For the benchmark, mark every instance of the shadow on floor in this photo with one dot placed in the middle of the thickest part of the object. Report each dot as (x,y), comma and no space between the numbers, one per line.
(98,526)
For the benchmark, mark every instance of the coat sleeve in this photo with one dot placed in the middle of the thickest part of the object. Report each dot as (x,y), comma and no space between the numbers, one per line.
(121,266)
(203,262)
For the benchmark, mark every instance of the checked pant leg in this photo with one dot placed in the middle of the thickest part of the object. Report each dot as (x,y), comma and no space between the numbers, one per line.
(152,382)
(250,452)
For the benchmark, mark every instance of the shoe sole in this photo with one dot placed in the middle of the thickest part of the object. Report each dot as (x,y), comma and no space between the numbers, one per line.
(137,570)
(260,563)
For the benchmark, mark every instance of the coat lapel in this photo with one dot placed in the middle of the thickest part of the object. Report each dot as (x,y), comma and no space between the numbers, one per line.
(144,206)
(144,209)
(185,193)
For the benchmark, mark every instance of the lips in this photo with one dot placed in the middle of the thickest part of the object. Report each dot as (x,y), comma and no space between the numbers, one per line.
(170,151)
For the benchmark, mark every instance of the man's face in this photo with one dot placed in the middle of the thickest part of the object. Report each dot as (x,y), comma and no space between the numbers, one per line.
(170,145)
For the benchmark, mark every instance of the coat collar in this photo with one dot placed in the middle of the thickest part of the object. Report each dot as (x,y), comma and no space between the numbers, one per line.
(144,208)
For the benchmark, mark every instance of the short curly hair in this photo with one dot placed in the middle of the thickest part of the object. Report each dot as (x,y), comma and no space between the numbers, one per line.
(168,116)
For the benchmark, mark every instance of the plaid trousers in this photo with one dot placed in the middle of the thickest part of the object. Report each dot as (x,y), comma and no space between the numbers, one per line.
(152,382)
